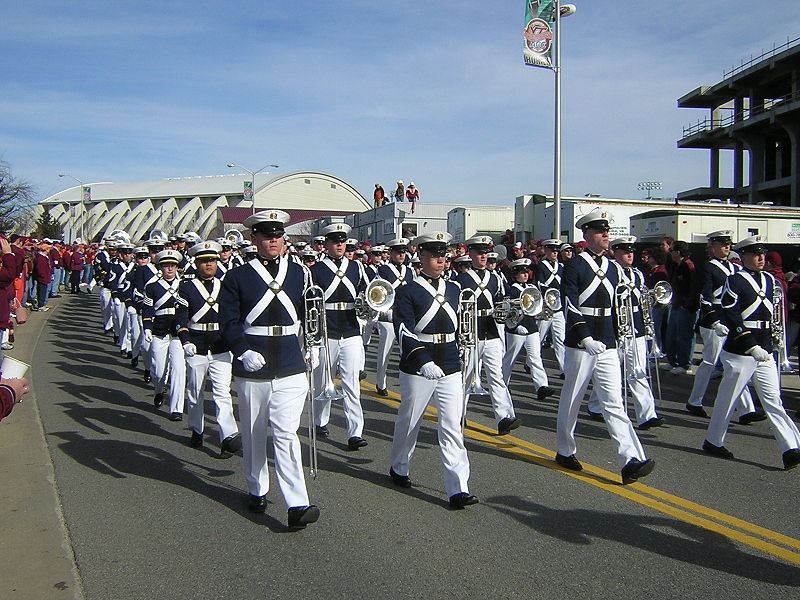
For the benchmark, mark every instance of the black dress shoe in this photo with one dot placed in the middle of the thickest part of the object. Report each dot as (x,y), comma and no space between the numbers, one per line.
(116,339)
(300,516)
(562,376)
(719,451)
(129,355)
(507,424)
(158,399)
(654,422)
(135,362)
(752,417)
(527,369)
(791,458)
(176,416)
(257,504)
(462,499)
(322,431)
(569,462)
(355,442)
(197,440)
(147,377)
(543,392)
(400,480)
(362,375)
(230,445)
(594,416)
(697,411)
(636,469)
(382,391)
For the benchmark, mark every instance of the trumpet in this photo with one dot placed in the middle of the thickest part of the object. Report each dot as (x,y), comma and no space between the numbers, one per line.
(468,342)
(511,312)
(377,299)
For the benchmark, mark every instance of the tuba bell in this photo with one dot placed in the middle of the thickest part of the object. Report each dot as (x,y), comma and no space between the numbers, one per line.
(377,299)
(234,236)
(158,234)
(511,312)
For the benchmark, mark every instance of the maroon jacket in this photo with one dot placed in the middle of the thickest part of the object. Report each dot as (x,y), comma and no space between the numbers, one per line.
(7,398)
(42,268)
(55,257)
(686,286)
(75,261)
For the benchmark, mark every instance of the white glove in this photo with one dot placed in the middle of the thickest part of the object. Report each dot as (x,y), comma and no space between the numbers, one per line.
(132,311)
(720,329)
(592,346)
(252,361)
(522,330)
(431,370)
(759,354)
(189,350)
(148,336)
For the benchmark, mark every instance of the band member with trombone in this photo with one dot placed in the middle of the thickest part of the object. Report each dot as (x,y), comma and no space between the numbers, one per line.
(489,347)
(752,310)
(548,272)
(713,330)
(341,281)
(197,319)
(632,347)
(589,283)
(522,329)
(397,274)
(261,308)
(426,322)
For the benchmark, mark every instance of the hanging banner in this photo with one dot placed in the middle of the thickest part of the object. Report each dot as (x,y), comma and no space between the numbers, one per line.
(86,194)
(540,16)
(248,191)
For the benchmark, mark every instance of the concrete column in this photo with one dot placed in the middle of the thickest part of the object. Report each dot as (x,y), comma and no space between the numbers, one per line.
(793,130)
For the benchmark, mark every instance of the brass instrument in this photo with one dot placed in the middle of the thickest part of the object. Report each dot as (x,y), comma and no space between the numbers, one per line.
(377,299)
(626,332)
(468,342)
(234,236)
(511,311)
(661,293)
(551,303)
(778,323)
(158,234)
(119,235)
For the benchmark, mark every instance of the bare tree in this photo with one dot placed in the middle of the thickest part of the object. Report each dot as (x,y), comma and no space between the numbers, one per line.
(17,197)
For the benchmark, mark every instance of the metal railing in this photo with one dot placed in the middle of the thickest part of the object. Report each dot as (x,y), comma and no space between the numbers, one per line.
(764,54)
(708,124)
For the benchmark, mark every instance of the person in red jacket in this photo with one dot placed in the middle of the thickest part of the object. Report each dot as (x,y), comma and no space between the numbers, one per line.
(42,274)
(74,264)
(11,393)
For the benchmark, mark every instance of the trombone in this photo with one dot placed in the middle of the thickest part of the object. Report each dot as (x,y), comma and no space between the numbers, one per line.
(468,344)
(376,300)
(661,294)
(778,323)
(626,332)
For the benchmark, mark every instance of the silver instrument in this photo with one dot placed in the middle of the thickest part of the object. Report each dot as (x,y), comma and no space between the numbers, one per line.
(119,235)
(778,323)
(661,293)
(234,236)
(468,342)
(377,299)
(551,303)
(511,311)
(158,234)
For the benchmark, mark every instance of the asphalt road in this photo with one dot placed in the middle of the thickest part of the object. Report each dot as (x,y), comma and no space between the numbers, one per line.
(150,517)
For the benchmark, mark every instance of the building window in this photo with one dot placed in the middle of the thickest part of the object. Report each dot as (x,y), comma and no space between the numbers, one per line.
(409,230)
(333,186)
(307,181)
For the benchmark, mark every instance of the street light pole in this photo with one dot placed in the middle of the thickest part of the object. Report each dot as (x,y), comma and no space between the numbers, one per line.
(561,11)
(252,178)
(649,186)
(80,200)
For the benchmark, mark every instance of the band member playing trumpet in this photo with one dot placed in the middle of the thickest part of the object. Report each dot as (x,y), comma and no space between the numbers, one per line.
(713,330)
(398,274)
(548,276)
(261,307)
(633,345)
(589,283)
(490,346)
(524,333)
(426,322)
(751,303)
(342,280)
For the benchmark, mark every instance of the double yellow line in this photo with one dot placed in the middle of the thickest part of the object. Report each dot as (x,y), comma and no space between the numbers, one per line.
(760,538)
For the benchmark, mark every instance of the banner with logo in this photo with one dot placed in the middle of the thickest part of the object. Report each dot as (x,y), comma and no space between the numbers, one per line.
(86,194)
(248,190)
(540,16)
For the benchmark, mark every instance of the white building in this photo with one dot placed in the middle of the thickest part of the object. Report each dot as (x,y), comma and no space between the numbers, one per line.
(199,204)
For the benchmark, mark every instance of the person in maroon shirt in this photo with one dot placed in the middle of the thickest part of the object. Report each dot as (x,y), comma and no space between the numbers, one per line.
(74,264)
(42,274)
(685,306)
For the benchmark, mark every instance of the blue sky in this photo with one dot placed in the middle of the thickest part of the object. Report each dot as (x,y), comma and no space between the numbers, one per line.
(430,91)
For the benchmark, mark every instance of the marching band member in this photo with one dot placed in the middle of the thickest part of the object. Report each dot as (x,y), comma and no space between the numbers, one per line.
(119,285)
(102,263)
(548,272)
(588,286)
(713,331)
(226,262)
(398,274)
(133,302)
(158,317)
(309,257)
(376,258)
(526,334)
(747,310)
(490,346)
(426,323)
(144,274)
(261,307)
(643,401)
(341,280)
(197,319)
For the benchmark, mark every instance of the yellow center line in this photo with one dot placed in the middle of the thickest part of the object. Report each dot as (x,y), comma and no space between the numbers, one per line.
(658,500)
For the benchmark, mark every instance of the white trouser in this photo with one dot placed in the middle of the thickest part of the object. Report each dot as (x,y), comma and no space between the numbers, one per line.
(163,349)
(219,368)
(559,326)
(134,328)
(491,358)
(533,349)
(416,393)
(366,331)
(142,348)
(644,404)
(385,343)
(279,404)
(117,317)
(346,353)
(738,371)
(604,372)
(105,304)
(712,346)
(125,339)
